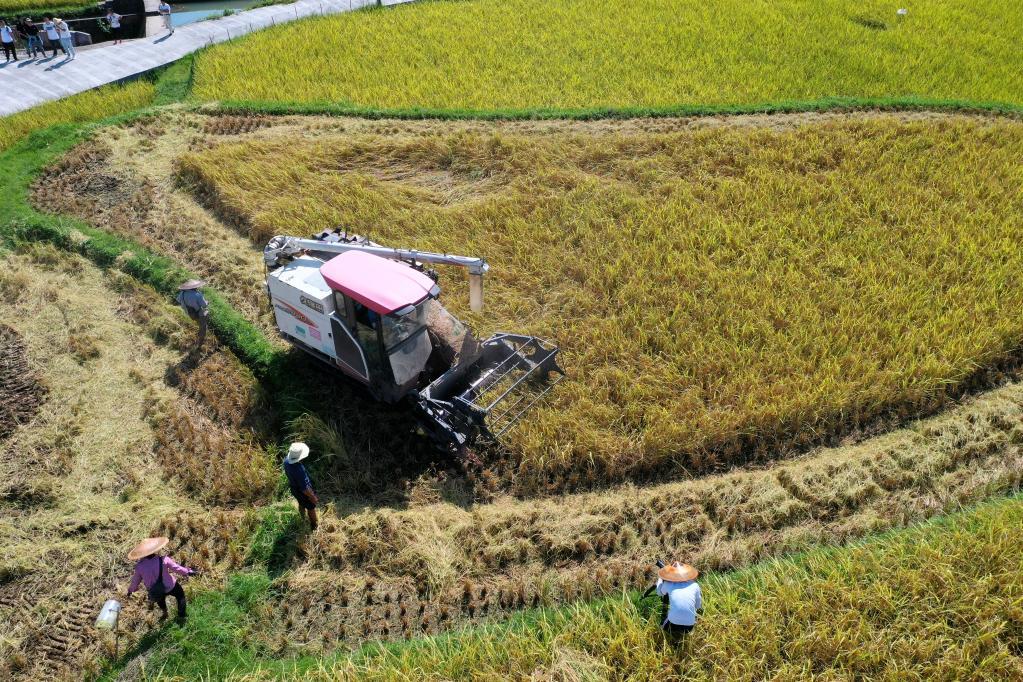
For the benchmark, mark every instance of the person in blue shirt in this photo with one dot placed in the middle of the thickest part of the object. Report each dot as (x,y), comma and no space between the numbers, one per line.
(681,597)
(194,304)
(298,481)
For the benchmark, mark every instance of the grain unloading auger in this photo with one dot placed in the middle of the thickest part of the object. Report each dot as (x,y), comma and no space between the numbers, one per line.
(372,312)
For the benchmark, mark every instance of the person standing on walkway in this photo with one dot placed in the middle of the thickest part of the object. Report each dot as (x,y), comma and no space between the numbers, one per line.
(299,483)
(50,27)
(157,574)
(67,41)
(194,304)
(114,20)
(7,38)
(681,597)
(165,11)
(33,43)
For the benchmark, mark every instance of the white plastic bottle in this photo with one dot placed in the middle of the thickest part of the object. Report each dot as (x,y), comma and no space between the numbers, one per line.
(108,615)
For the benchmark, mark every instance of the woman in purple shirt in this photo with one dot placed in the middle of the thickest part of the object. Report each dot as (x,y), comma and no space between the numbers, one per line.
(157,574)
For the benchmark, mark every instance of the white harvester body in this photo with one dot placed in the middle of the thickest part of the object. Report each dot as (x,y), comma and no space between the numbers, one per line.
(372,313)
(303,303)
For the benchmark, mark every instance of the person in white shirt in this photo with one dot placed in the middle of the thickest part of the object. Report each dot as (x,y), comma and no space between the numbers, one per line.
(681,599)
(114,20)
(165,11)
(51,34)
(7,37)
(66,40)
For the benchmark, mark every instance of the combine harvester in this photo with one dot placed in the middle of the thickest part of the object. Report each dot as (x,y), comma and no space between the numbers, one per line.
(372,312)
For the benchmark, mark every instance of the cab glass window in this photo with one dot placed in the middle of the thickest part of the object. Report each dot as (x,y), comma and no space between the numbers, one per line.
(397,329)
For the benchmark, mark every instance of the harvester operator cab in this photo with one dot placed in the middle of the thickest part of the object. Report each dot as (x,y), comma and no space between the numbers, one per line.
(378,323)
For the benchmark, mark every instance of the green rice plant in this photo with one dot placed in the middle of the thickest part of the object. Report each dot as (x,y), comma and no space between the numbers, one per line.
(576,55)
(14,9)
(87,106)
(719,293)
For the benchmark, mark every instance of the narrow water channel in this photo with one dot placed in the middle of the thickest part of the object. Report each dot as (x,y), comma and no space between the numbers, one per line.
(190,12)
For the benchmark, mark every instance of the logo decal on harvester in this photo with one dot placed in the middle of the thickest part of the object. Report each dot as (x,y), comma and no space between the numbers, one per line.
(310,303)
(294,312)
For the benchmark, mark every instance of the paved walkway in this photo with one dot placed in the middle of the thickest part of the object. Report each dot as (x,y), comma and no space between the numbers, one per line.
(25,84)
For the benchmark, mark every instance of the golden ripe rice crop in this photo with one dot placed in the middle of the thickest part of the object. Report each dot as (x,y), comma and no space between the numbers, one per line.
(711,288)
(87,106)
(578,54)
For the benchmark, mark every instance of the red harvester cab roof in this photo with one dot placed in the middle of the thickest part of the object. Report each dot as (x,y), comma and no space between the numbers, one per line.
(381,285)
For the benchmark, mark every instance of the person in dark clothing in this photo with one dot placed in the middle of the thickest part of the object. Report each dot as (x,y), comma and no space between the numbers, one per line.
(114,22)
(33,43)
(298,481)
(192,301)
(157,574)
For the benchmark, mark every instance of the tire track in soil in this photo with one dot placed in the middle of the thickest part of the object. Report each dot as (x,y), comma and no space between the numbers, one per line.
(21,392)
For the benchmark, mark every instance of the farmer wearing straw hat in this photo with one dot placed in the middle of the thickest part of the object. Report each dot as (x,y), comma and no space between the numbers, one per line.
(298,481)
(680,598)
(157,574)
(192,301)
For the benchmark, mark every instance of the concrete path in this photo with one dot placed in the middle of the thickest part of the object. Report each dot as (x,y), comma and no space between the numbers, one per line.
(25,84)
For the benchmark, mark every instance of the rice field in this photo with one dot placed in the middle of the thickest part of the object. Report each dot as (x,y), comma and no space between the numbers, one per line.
(12,9)
(938,603)
(102,461)
(389,575)
(488,55)
(720,293)
(86,106)
(725,292)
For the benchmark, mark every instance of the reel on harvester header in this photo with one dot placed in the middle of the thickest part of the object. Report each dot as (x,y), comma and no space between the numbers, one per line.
(373,313)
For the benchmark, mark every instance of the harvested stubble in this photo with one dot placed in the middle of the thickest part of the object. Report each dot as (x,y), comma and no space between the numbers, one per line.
(216,379)
(77,483)
(583,54)
(720,294)
(123,182)
(213,462)
(445,566)
(210,435)
(939,603)
(235,124)
(208,540)
(20,390)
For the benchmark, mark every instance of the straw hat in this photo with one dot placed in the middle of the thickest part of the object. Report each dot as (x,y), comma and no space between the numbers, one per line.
(677,573)
(297,453)
(147,547)
(192,284)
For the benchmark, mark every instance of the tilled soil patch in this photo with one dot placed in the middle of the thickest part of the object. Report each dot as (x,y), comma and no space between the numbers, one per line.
(21,392)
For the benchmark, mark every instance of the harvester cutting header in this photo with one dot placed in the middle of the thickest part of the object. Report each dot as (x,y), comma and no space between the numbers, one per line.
(373,313)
